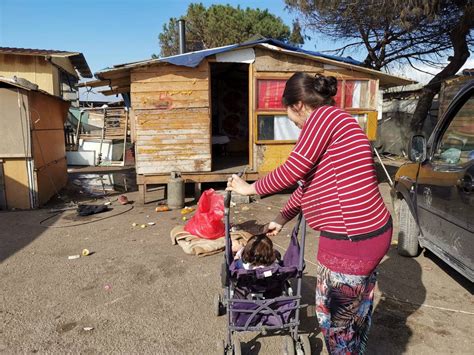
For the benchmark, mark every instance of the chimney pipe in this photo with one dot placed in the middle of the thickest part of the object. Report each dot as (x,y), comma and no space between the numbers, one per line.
(182,36)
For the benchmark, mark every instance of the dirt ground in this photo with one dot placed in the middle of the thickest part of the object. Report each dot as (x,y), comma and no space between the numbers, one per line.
(141,294)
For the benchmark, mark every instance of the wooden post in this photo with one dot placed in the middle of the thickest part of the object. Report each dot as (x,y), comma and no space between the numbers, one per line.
(3,198)
(197,191)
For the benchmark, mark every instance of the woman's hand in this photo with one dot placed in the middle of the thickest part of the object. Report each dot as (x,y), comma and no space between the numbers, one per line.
(237,184)
(273,229)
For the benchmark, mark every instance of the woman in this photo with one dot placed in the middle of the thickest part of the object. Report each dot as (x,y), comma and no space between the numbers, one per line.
(339,197)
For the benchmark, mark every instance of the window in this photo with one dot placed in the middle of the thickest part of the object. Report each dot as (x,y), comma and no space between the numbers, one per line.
(456,146)
(276,128)
(269,93)
(358,97)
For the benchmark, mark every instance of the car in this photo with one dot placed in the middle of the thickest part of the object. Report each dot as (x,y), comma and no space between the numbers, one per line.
(433,194)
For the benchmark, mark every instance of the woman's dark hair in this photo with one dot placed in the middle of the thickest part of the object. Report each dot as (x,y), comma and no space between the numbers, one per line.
(259,251)
(313,91)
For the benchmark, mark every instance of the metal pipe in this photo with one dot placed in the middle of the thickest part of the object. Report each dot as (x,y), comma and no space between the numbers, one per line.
(182,36)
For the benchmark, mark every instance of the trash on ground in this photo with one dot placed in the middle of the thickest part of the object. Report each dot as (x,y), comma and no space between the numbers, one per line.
(85,252)
(87,329)
(86,210)
(394,242)
(208,222)
(184,219)
(269,208)
(134,224)
(122,199)
(72,257)
(107,287)
(187,210)
(245,208)
(151,223)
(143,226)
(163,208)
(108,203)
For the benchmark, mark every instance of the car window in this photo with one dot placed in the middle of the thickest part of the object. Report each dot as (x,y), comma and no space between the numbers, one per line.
(456,145)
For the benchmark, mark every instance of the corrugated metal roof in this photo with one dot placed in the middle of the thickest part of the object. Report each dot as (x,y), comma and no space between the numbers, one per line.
(77,59)
(25,85)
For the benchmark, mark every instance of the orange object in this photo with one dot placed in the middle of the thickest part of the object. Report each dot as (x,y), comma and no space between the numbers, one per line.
(162,209)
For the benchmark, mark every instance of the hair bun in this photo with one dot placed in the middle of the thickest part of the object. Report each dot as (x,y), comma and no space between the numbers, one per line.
(326,86)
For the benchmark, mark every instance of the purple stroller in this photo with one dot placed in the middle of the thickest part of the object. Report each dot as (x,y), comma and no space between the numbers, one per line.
(262,299)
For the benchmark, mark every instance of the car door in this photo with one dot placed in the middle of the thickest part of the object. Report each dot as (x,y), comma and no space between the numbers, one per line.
(445,199)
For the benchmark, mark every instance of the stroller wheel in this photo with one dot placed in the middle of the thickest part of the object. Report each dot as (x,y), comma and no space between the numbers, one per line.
(237,348)
(304,342)
(288,345)
(218,306)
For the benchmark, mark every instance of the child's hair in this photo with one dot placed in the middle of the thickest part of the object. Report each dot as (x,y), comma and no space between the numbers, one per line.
(313,91)
(259,251)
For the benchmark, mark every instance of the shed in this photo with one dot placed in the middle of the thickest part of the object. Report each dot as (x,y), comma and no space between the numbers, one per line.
(32,145)
(210,113)
(54,71)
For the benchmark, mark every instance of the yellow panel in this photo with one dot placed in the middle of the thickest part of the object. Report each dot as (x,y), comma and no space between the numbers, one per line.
(16,183)
(274,156)
(371,131)
(34,69)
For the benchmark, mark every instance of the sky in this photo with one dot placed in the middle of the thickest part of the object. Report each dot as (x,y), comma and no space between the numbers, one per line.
(112,32)
(107,32)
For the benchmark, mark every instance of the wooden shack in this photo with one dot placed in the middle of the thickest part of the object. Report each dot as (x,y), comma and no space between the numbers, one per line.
(210,113)
(32,145)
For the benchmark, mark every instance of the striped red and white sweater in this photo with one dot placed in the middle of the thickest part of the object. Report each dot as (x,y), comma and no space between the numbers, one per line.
(333,159)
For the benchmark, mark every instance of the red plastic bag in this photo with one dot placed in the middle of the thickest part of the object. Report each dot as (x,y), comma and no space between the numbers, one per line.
(208,222)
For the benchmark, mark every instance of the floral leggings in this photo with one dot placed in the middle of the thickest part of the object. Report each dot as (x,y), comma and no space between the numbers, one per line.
(344,309)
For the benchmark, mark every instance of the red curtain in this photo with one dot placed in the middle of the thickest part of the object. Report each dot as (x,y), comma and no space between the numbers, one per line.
(269,94)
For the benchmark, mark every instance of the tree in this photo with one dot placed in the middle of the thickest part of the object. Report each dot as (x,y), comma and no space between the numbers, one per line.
(220,25)
(393,31)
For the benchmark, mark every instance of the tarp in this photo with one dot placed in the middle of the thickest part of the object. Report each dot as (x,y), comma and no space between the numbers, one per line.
(193,59)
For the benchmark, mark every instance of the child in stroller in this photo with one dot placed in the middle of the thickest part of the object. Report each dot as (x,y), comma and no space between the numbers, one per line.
(259,297)
(257,253)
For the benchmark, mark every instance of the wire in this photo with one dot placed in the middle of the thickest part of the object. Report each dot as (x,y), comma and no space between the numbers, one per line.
(81,223)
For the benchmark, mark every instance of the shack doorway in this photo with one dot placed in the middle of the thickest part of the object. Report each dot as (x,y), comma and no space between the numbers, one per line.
(230,116)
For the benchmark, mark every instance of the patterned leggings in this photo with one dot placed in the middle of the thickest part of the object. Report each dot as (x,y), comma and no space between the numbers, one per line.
(344,309)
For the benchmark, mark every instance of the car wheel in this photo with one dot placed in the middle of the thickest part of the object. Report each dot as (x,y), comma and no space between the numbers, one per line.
(409,231)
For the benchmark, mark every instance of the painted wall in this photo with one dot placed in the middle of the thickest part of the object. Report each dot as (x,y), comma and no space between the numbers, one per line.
(32,68)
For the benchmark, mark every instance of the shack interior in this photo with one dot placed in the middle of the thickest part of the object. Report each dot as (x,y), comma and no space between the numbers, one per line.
(230,116)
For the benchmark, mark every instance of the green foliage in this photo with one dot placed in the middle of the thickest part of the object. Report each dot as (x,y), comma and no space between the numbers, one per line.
(221,25)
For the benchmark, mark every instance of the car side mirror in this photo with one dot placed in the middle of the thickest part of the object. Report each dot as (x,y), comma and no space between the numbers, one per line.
(417,151)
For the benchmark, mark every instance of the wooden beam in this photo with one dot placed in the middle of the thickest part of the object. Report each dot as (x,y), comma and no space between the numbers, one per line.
(118,90)
(193,178)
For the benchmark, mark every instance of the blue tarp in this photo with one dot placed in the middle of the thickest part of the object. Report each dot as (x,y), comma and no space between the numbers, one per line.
(192,59)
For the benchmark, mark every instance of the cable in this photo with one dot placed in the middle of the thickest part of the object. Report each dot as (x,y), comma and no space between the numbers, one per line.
(81,223)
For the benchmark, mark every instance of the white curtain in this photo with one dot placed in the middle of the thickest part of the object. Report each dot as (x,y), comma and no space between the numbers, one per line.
(284,129)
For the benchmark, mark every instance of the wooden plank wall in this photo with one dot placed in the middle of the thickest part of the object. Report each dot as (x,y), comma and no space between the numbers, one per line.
(172,118)
(49,147)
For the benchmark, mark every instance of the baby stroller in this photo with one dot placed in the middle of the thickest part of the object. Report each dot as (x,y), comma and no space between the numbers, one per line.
(262,299)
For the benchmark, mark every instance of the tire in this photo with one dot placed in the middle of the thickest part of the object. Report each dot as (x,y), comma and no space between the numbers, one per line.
(218,307)
(408,235)
(305,343)
(288,345)
(237,348)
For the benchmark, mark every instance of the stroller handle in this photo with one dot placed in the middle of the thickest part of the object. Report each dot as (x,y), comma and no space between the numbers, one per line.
(228,195)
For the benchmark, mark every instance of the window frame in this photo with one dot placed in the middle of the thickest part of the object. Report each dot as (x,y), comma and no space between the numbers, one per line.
(371,112)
